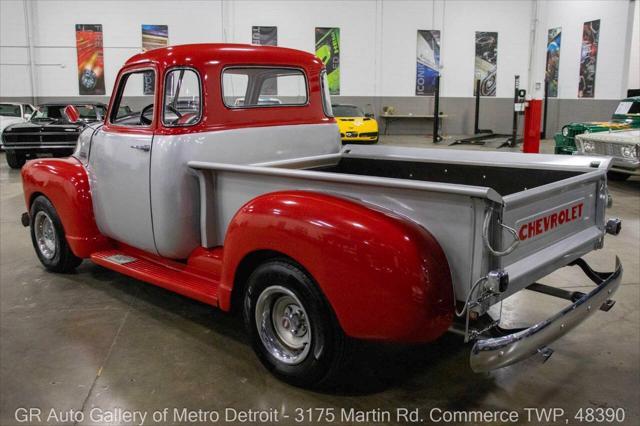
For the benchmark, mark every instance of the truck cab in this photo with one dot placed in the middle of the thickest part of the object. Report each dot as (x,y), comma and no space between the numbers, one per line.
(176,113)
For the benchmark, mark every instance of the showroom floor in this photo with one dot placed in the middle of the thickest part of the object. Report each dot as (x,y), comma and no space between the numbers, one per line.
(99,339)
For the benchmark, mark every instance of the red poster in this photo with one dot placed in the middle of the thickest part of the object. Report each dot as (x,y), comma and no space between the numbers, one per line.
(90,59)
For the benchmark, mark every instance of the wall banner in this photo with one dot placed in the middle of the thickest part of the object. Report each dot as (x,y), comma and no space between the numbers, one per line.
(328,50)
(266,36)
(486,62)
(588,59)
(90,59)
(427,61)
(153,37)
(553,60)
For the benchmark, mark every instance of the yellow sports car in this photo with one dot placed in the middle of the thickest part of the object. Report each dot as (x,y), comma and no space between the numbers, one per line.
(355,125)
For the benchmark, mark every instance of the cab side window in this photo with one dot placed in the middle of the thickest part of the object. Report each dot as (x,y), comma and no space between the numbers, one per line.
(134,100)
(182,105)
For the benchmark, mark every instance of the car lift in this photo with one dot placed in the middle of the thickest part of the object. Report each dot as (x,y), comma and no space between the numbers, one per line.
(482,136)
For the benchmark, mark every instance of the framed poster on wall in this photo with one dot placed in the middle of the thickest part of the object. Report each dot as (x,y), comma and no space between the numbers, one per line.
(153,37)
(486,68)
(588,59)
(427,61)
(90,59)
(552,69)
(328,50)
(266,36)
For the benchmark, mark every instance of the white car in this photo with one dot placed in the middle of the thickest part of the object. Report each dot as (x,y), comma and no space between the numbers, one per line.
(11,113)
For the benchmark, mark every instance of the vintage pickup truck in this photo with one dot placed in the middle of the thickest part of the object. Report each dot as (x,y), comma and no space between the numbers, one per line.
(257,207)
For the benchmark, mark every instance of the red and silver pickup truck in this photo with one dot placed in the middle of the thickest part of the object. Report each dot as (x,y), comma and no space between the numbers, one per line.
(255,206)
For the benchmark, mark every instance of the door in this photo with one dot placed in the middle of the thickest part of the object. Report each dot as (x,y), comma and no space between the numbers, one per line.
(120,159)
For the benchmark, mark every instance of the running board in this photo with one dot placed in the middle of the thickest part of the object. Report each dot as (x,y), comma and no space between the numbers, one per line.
(173,279)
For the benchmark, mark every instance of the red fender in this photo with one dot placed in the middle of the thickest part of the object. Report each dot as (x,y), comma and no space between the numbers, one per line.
(65,183)
(385,276)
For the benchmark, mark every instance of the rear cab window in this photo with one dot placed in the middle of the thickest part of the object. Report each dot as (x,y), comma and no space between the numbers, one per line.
(254,87)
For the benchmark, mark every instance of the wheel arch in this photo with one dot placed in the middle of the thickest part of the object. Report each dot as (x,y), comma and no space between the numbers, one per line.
(357,255)
(245,268)
(65,183)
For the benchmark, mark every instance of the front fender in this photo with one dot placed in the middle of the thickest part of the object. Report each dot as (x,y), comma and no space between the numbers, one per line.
(64,181)
(385,277)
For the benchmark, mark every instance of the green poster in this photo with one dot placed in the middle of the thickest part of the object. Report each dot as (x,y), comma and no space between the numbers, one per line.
(328,50)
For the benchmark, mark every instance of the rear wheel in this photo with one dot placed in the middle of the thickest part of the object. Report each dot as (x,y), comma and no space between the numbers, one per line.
(15,160)
(292,328)
(48,237)
(617,176)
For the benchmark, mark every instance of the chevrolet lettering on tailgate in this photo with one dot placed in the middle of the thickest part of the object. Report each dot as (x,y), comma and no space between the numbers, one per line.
(551,221)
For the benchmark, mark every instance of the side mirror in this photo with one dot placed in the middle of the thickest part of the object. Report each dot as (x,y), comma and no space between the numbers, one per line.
(369,115)
(27,116)
(71,113)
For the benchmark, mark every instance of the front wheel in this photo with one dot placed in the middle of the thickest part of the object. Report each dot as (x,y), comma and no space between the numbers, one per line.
(292,328)
(47,236)
(15,160)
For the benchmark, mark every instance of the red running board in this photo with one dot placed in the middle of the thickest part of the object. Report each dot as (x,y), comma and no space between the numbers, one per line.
(174,279)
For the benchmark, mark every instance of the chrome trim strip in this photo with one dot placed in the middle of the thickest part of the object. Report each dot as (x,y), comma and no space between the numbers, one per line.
(498,352)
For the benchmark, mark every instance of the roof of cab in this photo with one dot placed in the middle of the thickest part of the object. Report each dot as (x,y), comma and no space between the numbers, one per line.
(200,54)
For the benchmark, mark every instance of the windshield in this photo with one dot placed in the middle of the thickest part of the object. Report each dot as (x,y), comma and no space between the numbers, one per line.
(347,111)
(56,112)
(627,107)
(8,110)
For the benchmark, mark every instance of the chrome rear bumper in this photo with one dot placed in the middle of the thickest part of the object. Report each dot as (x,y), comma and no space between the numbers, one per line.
(498,352)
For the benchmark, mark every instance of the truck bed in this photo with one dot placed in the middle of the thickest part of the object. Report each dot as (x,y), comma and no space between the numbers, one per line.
(503,180)
(452,193)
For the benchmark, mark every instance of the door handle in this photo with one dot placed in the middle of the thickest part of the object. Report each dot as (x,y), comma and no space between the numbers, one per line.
(145,148)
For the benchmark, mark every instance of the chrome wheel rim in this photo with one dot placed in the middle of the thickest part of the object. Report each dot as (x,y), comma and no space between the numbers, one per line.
(45,235)
(283,325)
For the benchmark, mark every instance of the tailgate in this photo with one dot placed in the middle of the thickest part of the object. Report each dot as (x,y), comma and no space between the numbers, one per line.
(556,224)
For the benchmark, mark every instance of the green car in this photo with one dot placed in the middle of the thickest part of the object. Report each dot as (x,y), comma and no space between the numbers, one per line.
(626,115)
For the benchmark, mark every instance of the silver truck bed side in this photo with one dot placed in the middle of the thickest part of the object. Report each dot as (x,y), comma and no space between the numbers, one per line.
(449,212)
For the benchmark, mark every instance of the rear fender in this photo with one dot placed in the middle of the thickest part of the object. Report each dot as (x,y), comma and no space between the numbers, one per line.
(64,181)
(385,277)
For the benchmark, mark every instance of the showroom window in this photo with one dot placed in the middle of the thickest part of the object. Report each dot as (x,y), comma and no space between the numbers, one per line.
(181,105)
(135,99)
(249,87)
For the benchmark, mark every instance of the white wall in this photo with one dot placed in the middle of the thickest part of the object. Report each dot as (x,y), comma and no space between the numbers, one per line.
(378,39)
(634,59)
(613,48)
(54,37)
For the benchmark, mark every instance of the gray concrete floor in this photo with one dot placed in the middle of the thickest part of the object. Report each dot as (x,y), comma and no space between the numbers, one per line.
(97,340)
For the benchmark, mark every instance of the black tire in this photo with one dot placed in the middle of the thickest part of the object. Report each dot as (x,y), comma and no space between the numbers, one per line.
(617,176)
(59,258)
(15,160)
(327,352)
